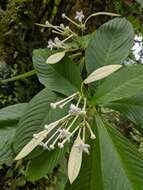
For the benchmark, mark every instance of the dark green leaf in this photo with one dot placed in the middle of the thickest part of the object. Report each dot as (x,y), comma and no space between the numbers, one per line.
(9,117)
(125,83)
(44,164)
(121,163)
(63,77)
(131,107)
(11,114)
(110,44)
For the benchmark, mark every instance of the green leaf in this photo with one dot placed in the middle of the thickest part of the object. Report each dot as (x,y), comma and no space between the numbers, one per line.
(121,163)
(113,164)
(63,77)
(44,164)
(125,83)
(11,114)
(131,107)
(37,114)
(9,117)
(6,139)
(110,44)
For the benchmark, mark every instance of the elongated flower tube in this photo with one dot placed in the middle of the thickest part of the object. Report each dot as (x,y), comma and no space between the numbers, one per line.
(61,102)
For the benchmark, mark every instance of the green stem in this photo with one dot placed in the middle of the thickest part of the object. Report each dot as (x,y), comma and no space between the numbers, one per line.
(19,77)
(75,55)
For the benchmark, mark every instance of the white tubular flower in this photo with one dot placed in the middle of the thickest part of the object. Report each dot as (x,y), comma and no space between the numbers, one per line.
(48,24)
(63,15)
(83,147)
(52,125)
(42,144)
(64,133)
(62,26)
(64,101)
(57,40)
(53,105)
(92,135)
(50,44)
(52,147)
(79,16)
(35,136)
(74,110)
(60,145)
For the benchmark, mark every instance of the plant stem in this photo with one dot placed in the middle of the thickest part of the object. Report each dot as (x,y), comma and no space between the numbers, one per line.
(19,77)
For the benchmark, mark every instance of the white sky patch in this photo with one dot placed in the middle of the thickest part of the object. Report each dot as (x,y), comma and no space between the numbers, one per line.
(138,48)
(137,51)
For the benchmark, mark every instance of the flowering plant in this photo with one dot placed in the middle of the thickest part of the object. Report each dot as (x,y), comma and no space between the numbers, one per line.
(87,86)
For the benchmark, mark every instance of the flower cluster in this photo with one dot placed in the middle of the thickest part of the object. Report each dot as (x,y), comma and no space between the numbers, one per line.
(63,31)
(63,129)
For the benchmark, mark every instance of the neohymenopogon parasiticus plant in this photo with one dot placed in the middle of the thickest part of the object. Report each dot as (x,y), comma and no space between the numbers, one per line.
(87,87)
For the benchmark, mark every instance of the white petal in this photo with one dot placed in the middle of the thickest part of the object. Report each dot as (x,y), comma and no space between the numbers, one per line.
(31,145)
(101,73)
(55,58)
(75,160)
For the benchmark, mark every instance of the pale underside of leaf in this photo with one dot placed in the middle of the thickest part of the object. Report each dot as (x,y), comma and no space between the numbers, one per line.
(75,160)
(55,58)
(101,73)
(32,145)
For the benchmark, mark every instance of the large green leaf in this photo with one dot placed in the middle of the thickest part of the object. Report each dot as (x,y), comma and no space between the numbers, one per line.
(113,164)
(9,117)
(47,160)
(63,77)
(121,163)
(125,83)
(37,114)
(110,44)
(131,107)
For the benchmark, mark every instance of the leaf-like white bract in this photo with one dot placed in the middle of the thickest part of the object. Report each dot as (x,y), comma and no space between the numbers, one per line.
(56,57)
(101,73)
(32,144)
(75,160)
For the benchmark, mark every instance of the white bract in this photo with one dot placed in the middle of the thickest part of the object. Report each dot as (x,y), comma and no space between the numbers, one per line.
(101,73)
(36,140)
(75,160)
(55,58)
